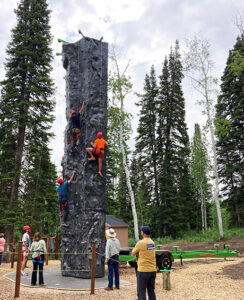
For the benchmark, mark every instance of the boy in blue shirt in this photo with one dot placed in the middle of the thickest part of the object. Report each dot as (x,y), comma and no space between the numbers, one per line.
(62,192)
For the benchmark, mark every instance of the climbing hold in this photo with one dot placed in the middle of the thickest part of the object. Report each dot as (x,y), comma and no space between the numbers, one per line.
(62,41)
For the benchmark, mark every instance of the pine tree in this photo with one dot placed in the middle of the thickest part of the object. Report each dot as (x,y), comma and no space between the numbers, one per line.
(39,197)
(25,108)
(146,147)
(123,199)
(200,166)
(230,132)
(173,144)
(142,191)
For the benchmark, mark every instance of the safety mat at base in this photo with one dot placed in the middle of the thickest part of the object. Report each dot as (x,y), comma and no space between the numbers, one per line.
(54,279)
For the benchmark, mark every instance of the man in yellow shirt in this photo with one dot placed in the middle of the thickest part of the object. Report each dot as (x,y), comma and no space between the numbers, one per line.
(146,273)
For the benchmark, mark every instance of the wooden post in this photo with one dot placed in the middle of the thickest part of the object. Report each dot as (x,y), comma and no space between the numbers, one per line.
(166,279)
(56,247)
(48,239)
(18,271)
(93,268)
(13,254)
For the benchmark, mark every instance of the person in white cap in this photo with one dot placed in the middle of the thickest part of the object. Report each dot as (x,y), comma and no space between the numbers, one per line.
(112,258)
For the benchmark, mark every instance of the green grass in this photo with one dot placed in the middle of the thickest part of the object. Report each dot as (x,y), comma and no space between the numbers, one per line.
(210,236)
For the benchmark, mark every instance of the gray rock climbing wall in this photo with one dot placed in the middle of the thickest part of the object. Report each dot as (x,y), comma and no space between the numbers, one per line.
(86,80)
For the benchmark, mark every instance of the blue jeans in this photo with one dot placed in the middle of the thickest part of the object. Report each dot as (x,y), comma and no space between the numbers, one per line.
(1,254)
(113,267)
(146,281)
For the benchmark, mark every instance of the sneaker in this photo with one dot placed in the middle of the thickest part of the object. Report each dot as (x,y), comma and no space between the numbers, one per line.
(65,225)
(33,284)
(108,288)
(117,287)
(43,284)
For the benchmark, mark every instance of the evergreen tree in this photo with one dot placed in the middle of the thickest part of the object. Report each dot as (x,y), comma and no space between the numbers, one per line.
(124,208)
(173,157)
(39,197)
(25,108)
(230,132)
(200,166)
(146,147)
(142,191)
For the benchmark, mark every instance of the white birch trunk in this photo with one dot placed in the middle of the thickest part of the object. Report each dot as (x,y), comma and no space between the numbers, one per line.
(205,214)
(202,209)
(198,60)
(127,175)
(215,169)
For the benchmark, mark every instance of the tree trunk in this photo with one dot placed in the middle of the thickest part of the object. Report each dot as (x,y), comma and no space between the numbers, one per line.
(127,175)
(215,169)
(205,214)
(202,209)
(16,180)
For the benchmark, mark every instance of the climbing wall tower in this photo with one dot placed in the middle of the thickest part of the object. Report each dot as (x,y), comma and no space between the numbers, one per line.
(86,80)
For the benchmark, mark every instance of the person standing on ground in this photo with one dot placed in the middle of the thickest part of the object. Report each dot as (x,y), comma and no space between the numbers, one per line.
(112,258)
(62,192)
(38,247)
(25,247)
(2,243)
(146,273)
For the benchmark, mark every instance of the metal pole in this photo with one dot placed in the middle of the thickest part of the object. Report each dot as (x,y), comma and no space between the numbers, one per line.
(93,265)
(13,254)
(18,271)
(48,239)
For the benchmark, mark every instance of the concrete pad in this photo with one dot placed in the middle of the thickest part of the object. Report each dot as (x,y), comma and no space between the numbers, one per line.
(53,279)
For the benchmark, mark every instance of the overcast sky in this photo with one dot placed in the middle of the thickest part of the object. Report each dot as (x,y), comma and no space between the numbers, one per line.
(143,30)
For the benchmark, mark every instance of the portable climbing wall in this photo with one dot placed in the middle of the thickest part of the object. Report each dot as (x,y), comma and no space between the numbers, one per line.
(86,80)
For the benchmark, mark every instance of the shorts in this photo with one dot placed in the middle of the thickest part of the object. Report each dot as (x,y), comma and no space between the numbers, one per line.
(98,152)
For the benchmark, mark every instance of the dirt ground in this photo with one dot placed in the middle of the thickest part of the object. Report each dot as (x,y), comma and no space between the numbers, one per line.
(199,279)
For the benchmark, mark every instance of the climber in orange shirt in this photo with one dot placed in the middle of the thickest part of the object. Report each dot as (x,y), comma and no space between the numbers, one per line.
(98,150)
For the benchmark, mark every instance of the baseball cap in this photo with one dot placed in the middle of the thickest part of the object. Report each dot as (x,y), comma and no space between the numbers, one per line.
(145,229)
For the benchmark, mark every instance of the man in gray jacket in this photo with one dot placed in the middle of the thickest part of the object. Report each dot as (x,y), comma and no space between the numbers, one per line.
(112,258)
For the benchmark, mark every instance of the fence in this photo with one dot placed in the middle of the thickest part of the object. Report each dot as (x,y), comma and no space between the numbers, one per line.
(19,262)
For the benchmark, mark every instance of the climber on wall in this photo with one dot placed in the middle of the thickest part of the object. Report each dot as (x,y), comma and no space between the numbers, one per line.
(62,192)
(75,121)
(98,150)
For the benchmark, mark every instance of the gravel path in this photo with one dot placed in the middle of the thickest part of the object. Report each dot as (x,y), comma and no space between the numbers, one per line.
(206,279)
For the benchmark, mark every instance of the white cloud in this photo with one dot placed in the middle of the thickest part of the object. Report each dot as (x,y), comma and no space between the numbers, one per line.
(143,29)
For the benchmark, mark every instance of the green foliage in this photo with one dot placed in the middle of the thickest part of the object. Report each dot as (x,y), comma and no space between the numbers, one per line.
(176,209)
(26,118)
(117,199)
(200,167)
(230,131)
(210,236)
(119,86)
